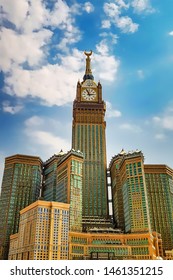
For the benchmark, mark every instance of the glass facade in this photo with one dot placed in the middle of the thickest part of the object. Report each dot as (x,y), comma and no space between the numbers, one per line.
(76,196)
(50,177)
(20,187)
(159,182)
(89,137)
(129,191)
(62,184)
(50,182)
(69,186)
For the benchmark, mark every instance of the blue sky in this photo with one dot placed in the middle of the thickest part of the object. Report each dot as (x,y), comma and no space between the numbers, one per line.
(41,48)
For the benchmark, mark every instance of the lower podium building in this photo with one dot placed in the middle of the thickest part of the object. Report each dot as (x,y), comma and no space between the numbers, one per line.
(111,245)
(169,254)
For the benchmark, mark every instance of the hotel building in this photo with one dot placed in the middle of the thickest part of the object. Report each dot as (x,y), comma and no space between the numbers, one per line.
(130,202)
(20,187)
(63,177)
(159,184)
(69,186)
(43,232)
(50,177)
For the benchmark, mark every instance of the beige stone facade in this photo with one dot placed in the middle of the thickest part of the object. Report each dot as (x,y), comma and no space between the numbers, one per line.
(43,232)
(169,254)
(107,245)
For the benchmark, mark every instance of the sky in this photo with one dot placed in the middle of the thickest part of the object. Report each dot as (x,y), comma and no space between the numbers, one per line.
(42,44)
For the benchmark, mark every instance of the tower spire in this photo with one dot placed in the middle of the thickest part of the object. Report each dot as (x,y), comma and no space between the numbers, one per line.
(88,72)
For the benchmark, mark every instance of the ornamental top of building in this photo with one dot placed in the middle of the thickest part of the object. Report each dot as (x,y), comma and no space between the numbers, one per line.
(73,152)
(61,156)
(129,153)
(125,155)
(88,73)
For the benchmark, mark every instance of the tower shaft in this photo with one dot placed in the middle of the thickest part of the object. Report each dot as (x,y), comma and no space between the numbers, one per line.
(88,136)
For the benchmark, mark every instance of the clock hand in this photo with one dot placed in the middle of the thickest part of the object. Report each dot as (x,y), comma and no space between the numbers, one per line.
(89,92)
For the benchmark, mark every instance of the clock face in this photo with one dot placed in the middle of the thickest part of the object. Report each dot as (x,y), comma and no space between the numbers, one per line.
(89,94)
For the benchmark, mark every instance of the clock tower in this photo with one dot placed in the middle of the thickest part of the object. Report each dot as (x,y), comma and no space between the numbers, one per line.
(88,136)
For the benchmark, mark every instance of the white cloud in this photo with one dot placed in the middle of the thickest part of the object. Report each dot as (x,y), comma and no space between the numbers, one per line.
(8,108)
(22,48)
(32,15)
(110,112)
(165,120)
(122,4)
(142,6)
(27,71)
(56,84)
(2,160)
(171,33)
(31,38)
(70,37)
(47,139)
(156,119)
(53,84)
(127,25)
(78,8)
(34,122)
(131,127)
(160,136)
(140,73)
(15,11)
(60,16)
(109,37)
(102,48)
(112,10)
(114,14)
(88,7)
(106,66)
(106,24)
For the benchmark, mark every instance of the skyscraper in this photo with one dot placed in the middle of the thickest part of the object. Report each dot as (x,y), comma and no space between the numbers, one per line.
(63,177)
(20,187)
(159,184)
(117,195)
(50,177)
(69,186)
(129,192)
(88,136)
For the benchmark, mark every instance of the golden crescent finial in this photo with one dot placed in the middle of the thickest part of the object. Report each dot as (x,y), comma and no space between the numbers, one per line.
(88,53)
(88,72)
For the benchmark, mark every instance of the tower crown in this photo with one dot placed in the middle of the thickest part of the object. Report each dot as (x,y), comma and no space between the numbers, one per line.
(88,72)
